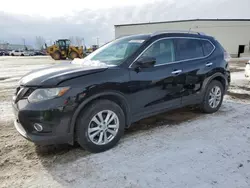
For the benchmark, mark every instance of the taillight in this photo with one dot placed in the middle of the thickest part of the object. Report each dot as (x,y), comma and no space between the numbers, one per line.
(227,56)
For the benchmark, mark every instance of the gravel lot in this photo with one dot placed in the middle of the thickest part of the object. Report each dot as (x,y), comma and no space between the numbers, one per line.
(181,148)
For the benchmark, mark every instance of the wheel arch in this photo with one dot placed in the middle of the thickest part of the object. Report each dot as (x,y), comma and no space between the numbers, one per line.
(114,96)
(220,79)
(217,76)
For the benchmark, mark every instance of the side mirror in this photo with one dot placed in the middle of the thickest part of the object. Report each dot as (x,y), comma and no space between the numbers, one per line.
(145,62)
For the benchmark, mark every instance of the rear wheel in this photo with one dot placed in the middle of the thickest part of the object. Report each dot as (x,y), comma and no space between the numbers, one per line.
(100,126)
(73,55)
(213,97)
(56,55)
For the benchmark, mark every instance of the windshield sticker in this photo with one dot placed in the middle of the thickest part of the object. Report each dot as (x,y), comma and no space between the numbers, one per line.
(136,41)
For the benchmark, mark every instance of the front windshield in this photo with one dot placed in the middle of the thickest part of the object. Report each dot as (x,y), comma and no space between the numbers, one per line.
(117,51)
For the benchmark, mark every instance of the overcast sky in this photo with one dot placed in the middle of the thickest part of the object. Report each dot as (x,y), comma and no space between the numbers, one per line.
(96,18)
(52,8)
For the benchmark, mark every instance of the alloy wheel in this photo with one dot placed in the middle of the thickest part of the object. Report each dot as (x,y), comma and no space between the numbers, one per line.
(103,127)
(215,97)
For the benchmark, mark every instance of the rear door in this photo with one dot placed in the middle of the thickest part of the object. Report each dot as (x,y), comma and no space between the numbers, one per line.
(195,57)
(159,87)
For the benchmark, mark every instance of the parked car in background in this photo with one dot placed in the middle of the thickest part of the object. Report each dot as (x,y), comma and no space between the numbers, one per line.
(30,53)
(16,53)
(247,70)
(39,53)
(92,100)
(4,53)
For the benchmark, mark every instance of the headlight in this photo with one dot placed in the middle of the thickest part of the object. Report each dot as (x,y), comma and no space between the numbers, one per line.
(48,93)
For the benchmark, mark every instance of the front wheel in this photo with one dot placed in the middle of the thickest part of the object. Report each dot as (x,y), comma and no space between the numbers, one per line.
(73,55)
(56,55)
(213,97)
(100,126)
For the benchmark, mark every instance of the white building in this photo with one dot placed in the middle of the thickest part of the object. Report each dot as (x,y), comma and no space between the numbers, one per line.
(233,34)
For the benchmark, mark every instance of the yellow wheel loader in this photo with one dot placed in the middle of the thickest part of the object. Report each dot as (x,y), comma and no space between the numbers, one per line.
(63,50)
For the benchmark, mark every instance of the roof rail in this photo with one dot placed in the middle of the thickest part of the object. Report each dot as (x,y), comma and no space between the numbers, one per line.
(127,35)
(177,31)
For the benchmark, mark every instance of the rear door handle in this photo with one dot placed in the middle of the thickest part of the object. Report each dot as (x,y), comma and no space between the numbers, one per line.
(209,64)
(177,72)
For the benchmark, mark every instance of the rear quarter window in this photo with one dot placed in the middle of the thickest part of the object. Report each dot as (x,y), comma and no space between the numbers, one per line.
(207,47)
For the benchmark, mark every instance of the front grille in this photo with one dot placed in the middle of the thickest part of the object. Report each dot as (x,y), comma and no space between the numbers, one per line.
(23,93)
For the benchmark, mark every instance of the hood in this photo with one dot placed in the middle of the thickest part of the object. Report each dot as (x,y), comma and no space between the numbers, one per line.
(52,76)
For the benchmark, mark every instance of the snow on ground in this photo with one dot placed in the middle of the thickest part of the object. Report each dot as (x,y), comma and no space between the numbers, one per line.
(207,151)
(181,148)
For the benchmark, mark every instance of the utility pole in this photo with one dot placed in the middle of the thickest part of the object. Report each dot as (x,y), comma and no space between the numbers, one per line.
(83,44)
(24,45)
(97,41)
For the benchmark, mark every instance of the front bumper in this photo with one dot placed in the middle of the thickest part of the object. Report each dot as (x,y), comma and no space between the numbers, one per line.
(54,120)
(42,139)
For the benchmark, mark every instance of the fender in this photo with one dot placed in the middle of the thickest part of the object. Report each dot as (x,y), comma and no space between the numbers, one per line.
(209,79)
(93,97)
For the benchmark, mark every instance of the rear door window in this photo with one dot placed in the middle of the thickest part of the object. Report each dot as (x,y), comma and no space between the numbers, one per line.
(207,47)
(188,49)
(162,51)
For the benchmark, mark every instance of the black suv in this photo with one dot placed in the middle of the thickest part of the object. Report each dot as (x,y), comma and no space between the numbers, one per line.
(92,100)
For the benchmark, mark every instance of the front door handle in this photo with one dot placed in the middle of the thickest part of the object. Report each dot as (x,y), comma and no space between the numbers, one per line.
(177,72)
(209,64)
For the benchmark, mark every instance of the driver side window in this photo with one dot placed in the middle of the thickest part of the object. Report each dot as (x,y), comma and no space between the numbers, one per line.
(162,51)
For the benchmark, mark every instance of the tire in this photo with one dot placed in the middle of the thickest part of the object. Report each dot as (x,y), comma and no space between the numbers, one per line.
(22,54)
(73,55)
(206,106)
(56,55)
(84,123)
(12,54)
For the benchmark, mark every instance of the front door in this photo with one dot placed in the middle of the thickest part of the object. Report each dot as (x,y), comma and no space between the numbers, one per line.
(156,88)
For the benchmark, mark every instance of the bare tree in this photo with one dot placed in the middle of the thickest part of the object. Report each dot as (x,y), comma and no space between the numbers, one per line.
(72,40)
(76,40)
(40,41)
(4,45)
(79,41)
